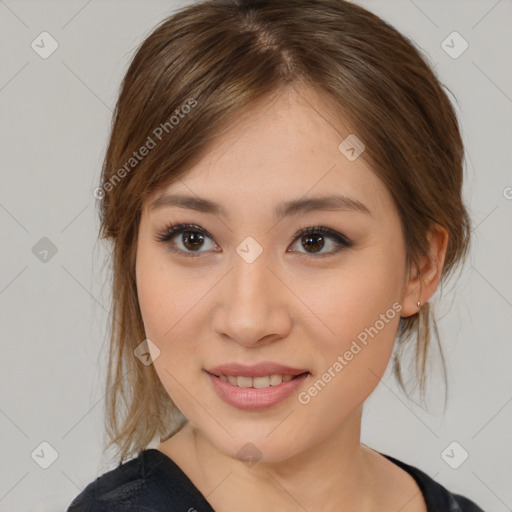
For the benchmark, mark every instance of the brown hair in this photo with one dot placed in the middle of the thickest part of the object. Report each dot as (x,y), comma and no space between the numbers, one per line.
(208,63)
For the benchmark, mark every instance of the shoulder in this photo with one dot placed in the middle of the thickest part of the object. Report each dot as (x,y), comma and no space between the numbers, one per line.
(151,482)
(118,487)
(437,497)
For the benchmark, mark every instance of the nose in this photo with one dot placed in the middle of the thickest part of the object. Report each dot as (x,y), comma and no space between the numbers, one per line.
(253,305)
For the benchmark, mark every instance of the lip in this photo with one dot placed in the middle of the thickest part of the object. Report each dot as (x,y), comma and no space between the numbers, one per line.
(253,399)
(258,370)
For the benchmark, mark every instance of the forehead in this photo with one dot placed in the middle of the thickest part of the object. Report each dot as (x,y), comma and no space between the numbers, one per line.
(282,147)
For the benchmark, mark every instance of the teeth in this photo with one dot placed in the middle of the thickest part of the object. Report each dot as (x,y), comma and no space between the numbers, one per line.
(244,382)
(260,382)
(275,379)
(256,382)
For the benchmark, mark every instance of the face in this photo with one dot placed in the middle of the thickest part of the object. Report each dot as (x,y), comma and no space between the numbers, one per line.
(273,322)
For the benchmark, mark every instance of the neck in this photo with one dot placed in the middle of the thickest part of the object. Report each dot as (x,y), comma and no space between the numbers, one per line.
(332,475)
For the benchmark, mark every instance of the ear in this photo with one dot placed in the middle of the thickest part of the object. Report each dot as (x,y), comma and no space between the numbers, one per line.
(424,279)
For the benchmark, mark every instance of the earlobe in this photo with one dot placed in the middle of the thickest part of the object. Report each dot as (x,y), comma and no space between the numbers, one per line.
(411,301)
(426,274)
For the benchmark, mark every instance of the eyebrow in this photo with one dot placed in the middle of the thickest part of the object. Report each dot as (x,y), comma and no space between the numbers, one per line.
(287,208)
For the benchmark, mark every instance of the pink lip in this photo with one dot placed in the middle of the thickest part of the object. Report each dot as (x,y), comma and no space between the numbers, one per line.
(252,399)
(258,370)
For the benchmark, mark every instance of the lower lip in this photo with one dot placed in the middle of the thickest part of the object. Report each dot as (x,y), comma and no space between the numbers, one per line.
(252,399)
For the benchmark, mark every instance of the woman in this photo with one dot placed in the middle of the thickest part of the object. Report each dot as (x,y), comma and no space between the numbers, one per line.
(282,188)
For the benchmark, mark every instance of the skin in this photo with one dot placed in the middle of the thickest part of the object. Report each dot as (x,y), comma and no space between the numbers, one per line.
(284,307)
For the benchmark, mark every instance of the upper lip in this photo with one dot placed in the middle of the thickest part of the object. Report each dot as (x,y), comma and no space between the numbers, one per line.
(257,370)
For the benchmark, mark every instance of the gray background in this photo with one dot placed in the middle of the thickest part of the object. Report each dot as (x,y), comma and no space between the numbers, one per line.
(54,121)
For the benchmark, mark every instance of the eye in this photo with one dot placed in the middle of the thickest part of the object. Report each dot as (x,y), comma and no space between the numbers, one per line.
(193,237)
(315,237)
(191,240)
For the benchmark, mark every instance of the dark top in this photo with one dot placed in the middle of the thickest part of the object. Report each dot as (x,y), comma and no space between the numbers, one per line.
(152,482)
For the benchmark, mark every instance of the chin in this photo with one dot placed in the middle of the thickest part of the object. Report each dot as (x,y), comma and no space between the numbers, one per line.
(252,444)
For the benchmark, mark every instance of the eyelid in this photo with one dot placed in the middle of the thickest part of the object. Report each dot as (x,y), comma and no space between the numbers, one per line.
(172,229)
(324,230)
(341,240)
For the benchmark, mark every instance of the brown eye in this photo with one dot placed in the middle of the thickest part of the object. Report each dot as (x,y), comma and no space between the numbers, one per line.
(192,240)
(314,239)
(313,242)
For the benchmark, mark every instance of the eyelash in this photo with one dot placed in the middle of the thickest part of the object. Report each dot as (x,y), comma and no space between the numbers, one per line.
(172,230)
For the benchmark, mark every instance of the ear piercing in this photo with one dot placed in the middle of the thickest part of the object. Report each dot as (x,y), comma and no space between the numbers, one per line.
(419,305)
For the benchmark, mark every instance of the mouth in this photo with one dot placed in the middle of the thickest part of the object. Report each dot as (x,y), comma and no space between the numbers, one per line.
(260,375)
(264,381)
(256,387)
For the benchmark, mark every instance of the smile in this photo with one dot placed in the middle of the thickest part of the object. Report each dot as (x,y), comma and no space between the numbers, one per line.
(256,382)
(254,393)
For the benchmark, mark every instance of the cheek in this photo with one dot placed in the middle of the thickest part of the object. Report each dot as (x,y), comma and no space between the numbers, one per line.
(361,315)
(169,303)
(350,369)
(167,298)
(362,292)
